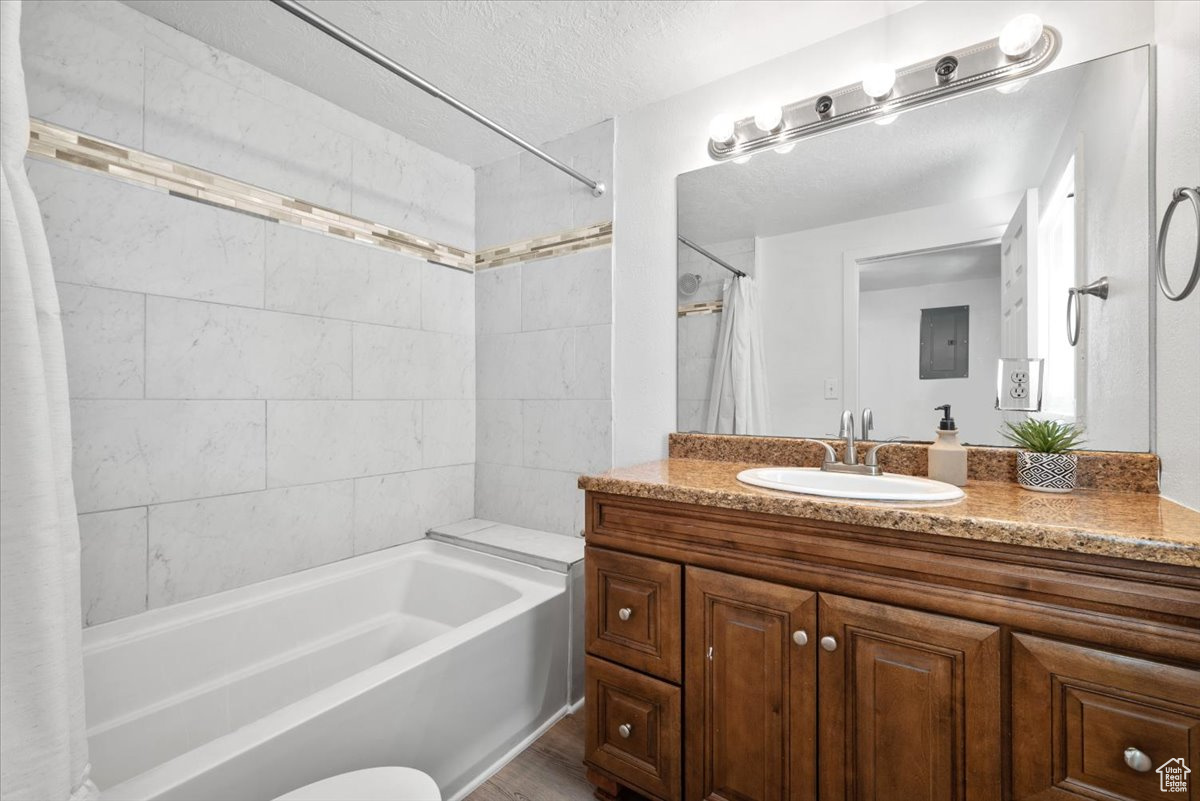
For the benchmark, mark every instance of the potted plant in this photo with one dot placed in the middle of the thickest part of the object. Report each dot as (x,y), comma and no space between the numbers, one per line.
(1045,464)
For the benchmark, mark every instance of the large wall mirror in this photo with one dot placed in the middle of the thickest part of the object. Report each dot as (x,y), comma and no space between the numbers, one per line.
(893,264)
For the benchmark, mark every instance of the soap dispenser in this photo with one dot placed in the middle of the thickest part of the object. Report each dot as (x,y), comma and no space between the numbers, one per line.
(947,456)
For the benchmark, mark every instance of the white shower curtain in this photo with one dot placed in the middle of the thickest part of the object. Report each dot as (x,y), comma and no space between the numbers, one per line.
(737,401)
(43,750)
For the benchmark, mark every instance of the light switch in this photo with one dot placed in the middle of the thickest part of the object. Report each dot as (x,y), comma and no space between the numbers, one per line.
(833,390)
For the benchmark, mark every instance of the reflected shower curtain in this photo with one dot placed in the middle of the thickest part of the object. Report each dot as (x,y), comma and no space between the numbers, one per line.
(43,749)
(737,401)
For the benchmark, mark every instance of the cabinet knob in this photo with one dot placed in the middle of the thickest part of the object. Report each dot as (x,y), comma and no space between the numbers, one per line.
(800,637)
(1137,760)
(625,730)
(625,613)
(829,643)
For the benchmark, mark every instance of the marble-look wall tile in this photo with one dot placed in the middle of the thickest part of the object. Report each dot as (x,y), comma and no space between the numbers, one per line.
(499,434)
(536,364)
(695,378)
(310,441)
(448,432)
(568,435)
(589,151)
(80,74)
(207,350)
(206,546)
(412,189)
(110,234)
(447,300)
(136,452)
(548,500)
(256,140)
(113,564)
(572,290)
(692,415)
(498,300)
(593,363)
(311,273)
(390,510)
(104,332)
(419,365)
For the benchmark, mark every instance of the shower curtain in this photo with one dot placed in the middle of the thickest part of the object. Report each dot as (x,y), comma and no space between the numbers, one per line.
(737,400)
(43,750)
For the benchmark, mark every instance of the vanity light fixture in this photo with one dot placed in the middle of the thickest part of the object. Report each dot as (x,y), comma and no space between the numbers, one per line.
(1024,47)
(788,148)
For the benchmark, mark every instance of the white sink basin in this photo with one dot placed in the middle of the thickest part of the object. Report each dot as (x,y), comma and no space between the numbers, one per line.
(887,487)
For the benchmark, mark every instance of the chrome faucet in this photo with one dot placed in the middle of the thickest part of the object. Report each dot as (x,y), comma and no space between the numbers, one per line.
(849,463)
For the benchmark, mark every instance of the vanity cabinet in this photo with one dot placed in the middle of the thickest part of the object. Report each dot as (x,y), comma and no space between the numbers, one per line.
(812,660)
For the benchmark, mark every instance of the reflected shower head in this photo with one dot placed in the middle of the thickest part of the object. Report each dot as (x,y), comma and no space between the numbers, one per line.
(689,283)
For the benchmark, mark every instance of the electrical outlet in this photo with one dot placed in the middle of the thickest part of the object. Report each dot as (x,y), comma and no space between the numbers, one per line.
(1019,376)
(832,390)
(1019,385)
(1019,391)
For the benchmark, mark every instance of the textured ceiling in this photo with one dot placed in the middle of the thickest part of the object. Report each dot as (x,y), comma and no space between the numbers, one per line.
(980,145)
(542,69)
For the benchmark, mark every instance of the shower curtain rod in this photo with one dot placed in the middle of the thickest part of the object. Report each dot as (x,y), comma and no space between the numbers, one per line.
(711,257)
(364,49)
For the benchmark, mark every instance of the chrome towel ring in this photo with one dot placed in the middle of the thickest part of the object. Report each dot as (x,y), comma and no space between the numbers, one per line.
(1099,288)
(1192,194)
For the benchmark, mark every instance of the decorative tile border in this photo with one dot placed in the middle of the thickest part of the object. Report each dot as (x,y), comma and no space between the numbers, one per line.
(544,247)
(707,307)
(1120,471)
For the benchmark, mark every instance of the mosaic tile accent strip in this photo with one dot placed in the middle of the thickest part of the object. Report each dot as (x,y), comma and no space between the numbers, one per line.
(708,307)
(544,247)
(1118,471)
(63,145)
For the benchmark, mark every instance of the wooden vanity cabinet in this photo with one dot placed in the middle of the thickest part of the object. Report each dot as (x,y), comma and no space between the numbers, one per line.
(840,663)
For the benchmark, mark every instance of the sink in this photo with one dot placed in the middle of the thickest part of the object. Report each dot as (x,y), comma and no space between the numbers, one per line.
(886,487)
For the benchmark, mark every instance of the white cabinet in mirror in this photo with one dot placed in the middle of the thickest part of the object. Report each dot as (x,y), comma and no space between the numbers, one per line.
(895,266)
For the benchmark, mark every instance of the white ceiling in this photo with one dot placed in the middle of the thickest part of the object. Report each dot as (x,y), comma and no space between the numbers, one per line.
(542,68)
(984,144)
(966,263)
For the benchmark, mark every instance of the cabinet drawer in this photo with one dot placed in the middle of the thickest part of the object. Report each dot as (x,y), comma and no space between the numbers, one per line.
(1077,710)
(633,728)
(633,612)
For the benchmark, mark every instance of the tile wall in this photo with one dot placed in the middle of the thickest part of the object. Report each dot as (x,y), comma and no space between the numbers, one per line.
(248,398)
(543,339)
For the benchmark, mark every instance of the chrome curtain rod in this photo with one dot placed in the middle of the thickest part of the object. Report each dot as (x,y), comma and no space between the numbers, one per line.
(711,257)
(364,49)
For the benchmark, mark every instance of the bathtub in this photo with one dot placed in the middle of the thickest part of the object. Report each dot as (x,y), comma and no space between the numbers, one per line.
(424,655)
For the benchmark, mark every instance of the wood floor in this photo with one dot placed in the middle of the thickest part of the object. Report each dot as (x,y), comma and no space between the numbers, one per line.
(549,770)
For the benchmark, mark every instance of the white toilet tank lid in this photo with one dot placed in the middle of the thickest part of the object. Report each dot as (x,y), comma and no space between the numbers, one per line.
(372,784)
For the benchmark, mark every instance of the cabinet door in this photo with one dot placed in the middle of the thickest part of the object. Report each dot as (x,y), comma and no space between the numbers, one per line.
(910,705)
(1090,724)
(750,677)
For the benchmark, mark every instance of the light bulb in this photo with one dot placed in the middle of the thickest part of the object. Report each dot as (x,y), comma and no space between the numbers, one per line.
(788,148)
(720,130)
(888,120)
(1012,86)
(878,80)
(768,117)
(742,159)
(1020,35)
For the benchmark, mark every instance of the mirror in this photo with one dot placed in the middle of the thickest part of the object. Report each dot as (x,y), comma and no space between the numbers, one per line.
(894,264)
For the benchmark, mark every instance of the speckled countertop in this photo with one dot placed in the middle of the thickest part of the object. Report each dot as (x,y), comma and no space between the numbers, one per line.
(1129,525)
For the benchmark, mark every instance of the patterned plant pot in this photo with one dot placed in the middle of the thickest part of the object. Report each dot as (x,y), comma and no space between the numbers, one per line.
(1047,472)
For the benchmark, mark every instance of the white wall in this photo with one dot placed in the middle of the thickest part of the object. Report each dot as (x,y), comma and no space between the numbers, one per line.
(889,333)
(1177,25)
(656,143)
(248,399)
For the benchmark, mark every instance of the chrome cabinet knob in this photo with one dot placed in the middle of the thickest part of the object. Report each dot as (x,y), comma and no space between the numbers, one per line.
(625,730)
(1137,760)
(829,643)
(800,637)
(625,613)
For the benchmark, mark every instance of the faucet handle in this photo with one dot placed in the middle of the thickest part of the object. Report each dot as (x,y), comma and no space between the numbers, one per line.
(830,453)
(872,457)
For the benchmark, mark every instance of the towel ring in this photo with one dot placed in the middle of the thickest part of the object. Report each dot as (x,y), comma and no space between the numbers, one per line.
(1099,288)
(1192,194)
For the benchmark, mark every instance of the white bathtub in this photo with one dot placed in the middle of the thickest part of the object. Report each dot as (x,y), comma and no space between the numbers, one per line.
(425,655)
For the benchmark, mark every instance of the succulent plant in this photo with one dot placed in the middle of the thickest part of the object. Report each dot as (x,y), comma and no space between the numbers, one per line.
(1043,436)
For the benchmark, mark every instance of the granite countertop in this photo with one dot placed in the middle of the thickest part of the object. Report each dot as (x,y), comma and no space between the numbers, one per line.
(1129,525)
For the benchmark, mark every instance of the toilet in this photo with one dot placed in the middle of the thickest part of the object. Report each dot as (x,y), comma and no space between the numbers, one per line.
(371,784)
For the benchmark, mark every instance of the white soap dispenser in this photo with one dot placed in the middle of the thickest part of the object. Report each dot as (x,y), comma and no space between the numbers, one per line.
(947,456)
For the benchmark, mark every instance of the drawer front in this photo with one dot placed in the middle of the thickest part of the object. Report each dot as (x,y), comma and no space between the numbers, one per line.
(1091,724)
(634,728)
(633,612)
